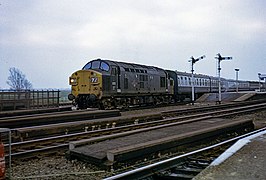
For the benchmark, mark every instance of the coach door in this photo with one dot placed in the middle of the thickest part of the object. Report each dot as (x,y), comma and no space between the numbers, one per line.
(171,85)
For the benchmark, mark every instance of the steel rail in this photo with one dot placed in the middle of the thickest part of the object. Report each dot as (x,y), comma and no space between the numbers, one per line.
(134,128)
(149,170)
(59,117)
(164,119)
(168,122)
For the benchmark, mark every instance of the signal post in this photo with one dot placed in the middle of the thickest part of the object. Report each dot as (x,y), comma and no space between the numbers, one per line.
(193,61)
(220,58)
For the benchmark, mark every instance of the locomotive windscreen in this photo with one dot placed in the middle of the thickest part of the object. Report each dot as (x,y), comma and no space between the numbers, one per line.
(97,64)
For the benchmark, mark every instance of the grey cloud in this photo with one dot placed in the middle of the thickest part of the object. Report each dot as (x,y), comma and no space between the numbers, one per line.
(35,34)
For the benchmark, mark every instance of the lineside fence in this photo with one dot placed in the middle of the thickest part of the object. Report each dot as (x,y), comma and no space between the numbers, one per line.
(29,99)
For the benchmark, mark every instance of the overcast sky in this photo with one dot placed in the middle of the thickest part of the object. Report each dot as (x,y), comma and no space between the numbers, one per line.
(48,40)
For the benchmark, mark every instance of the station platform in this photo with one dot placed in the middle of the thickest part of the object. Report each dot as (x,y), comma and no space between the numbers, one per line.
(245,160)
(232,96)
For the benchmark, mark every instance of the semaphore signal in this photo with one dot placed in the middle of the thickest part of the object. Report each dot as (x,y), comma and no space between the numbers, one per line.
(220,58)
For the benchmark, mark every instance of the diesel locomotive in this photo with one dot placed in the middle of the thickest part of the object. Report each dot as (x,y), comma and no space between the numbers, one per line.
(109,84)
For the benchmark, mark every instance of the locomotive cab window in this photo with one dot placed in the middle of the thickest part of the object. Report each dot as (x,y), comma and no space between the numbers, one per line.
(87,66)
(95,65)
(104,66)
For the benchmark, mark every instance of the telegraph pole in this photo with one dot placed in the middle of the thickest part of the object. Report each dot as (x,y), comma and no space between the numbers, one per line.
(193,61)
(220,58)
(259,80)
(262,77)
(237,70)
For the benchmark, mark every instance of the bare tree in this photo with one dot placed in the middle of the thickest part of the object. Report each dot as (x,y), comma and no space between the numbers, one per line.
(17,80)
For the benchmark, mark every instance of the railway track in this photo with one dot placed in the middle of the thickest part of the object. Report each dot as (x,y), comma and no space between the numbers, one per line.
(29,133)
(36,111)
(184,166)
(50,144)
(56,117)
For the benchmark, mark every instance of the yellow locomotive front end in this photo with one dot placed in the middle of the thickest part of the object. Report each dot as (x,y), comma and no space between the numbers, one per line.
(86,88)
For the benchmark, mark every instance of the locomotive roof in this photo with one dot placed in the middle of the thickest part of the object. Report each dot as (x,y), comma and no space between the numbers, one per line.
(130,65)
